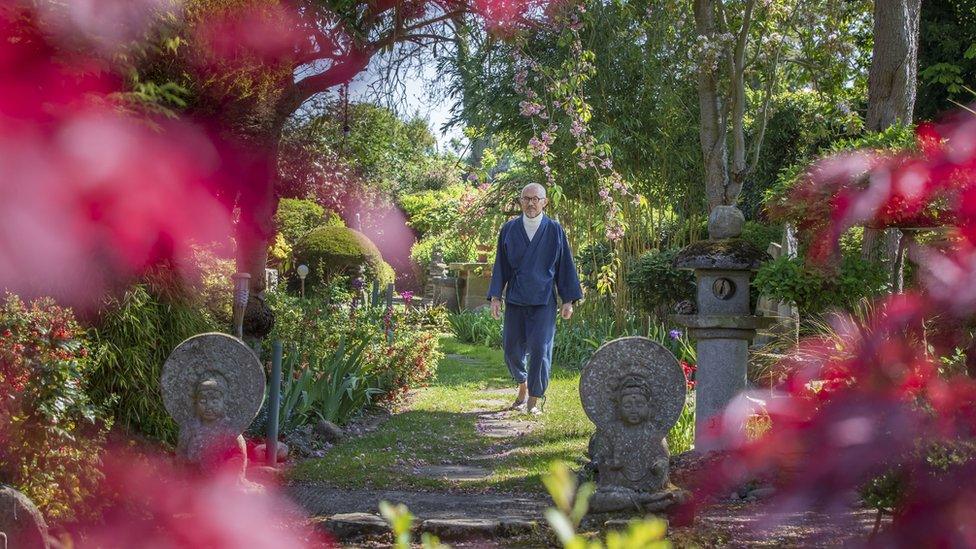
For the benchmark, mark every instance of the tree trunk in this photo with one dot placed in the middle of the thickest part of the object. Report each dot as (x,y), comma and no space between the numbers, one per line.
(257,200)
(712,127)
(891,98)
(892,78)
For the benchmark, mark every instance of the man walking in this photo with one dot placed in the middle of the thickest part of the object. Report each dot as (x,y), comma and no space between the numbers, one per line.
(533,262)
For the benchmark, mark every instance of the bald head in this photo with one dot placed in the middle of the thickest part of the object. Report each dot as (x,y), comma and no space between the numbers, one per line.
(535,190)
(533,199)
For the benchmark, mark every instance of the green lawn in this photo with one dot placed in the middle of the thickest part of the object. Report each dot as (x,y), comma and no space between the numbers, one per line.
(439,428)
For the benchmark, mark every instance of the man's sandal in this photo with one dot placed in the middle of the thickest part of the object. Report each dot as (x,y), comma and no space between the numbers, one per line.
(538,408)
(518,404)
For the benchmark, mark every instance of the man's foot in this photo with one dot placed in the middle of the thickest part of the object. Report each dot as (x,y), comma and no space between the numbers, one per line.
(532,405)
(522,398)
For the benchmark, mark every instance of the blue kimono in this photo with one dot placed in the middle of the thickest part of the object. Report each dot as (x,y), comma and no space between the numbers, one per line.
(528,274)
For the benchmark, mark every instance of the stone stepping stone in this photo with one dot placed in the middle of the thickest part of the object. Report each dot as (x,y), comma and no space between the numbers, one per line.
(503,428)
(455,473)
(355,525)
(501,453)
(464,529)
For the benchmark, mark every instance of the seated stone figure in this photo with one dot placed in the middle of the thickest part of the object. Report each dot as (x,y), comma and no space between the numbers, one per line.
(211,442)
(213,386)
(633,390)
(631,453)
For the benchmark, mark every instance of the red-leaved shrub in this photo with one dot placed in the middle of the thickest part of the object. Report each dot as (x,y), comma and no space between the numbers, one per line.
(878,399)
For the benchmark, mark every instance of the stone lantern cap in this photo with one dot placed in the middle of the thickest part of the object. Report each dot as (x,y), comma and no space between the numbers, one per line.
(730,254)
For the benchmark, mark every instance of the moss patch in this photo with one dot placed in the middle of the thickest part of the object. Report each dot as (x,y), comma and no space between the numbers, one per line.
(730,253)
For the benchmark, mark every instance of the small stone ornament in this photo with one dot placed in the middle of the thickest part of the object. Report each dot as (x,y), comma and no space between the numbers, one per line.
(213,387)
(633,390)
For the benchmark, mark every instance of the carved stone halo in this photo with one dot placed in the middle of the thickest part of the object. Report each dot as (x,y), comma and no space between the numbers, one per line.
(633,356)
(198,358)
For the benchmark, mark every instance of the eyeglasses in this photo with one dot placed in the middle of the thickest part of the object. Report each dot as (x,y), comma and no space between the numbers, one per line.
(531,199)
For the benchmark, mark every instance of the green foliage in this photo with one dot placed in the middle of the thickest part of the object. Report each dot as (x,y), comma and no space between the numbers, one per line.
(50,430)
(332,251)
(801,124)
(454,250)
(656,285)
(389,154)
(593,324)
(435,216)
(571,503)
(578,338)
(477,327)
(134,337)
(590,259)
(213,287)
(296,217)
(434,318)
(887,491)
(432,212)
(681,437)
(391,361)
(761,236)
(815,291)
(946,56)
(333,387)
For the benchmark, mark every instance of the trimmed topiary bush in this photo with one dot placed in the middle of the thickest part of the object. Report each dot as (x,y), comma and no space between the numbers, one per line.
(331,251)
(296,217)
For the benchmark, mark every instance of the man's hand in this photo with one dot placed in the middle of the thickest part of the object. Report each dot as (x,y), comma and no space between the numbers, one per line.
(496,308)
(567,311)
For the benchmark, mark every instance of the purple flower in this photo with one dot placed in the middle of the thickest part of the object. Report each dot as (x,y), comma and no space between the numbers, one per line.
(407,297)
(675,334)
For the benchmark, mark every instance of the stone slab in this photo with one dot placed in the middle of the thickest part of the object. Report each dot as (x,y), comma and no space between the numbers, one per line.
(355,525)
(455,473)
(459,529)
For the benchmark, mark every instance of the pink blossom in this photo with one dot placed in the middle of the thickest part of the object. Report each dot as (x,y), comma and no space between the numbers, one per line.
(539,148)
(529,108)
(576,129)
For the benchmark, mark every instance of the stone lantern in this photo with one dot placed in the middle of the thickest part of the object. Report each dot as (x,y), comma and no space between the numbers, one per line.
(724,324)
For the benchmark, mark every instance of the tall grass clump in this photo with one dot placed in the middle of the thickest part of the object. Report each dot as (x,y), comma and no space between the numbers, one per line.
(333,387)
(133,338)
(477,327)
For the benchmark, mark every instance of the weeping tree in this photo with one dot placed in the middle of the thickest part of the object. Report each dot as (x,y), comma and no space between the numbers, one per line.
(249,65)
